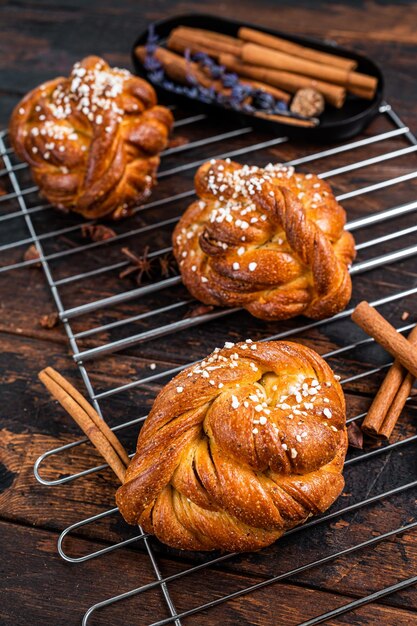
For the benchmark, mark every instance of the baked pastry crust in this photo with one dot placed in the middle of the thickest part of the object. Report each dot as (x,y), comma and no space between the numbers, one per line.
(270,240)
(238,448)
(92,140)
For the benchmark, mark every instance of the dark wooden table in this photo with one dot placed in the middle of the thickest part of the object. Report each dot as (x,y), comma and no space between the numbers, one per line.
(39,40)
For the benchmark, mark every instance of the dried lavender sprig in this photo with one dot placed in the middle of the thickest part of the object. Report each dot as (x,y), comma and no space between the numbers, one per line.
(151,64)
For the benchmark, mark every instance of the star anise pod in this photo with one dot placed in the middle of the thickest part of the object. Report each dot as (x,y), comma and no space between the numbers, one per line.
(168,265)
(139,265)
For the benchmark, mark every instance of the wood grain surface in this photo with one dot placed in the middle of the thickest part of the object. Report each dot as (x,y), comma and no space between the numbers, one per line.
(42,39)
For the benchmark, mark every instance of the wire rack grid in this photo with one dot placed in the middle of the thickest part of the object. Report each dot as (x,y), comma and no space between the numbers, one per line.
(23,203)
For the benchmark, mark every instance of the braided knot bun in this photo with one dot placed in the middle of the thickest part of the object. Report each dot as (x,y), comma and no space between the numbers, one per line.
(269,240)
(92,140)
(238,448)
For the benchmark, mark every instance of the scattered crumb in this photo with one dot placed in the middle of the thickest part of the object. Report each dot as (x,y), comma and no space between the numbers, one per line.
(177,141)
(405,316)
(32,254)
(97,232)
(340,524)
(50,320)
(355,436)
(200,310)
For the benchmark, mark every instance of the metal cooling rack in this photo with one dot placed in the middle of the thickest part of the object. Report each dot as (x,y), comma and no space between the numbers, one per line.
(23,203)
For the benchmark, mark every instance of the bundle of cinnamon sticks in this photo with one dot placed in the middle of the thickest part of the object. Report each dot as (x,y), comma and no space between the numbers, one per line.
(277,62)
(388,403)
(181,71)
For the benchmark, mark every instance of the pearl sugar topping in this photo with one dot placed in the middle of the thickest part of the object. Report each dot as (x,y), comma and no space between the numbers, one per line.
(91,92)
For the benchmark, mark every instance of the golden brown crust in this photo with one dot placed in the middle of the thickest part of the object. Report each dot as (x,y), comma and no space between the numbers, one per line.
(238,448)
(269,240)
(92,140)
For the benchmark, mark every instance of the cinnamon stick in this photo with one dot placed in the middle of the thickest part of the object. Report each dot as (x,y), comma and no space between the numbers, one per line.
(175,66)
(266,57)
(279,94)
(94,427)
(396,407)
(383,399)
(182,38)
(178,44)
(208,35)
(182,71)
(272,41)
(377,327)
(333,94)
(179,69)
(386,406)
(285,119)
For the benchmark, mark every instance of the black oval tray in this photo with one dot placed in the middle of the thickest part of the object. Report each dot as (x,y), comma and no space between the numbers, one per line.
(335,124)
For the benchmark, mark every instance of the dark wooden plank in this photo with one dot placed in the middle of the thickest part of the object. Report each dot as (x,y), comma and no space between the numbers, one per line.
(53,592)
(43,29)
